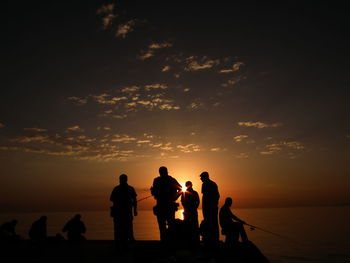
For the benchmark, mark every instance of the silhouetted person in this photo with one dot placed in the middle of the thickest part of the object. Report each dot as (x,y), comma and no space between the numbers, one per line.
(190,202)
(166,190)
(210,201)
(232,227)
(8,231)
(124,207)
(38,230)
(75,229)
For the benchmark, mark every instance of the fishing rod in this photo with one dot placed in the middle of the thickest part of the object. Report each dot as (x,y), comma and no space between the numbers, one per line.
(144,198)
(252,227)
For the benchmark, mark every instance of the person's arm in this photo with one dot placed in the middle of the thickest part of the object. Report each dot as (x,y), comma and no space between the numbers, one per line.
(234,217)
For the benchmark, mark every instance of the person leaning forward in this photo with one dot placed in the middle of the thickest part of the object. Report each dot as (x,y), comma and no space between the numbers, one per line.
(124,207)
(166,190)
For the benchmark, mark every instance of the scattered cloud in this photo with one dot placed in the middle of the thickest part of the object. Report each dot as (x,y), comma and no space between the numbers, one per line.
(126,28)
(35,129)
(106,128)
(232,82)
(155,86)
(189,148)
(194,64)
(123,138)
(242,155)
(160,45)
(75,128)
(166,68)
(284,145)
(77,100)
(259,124)
(131,89)
(108,99)
(218,149)
(107,14)
(240,138)
(235,67)
(150,51)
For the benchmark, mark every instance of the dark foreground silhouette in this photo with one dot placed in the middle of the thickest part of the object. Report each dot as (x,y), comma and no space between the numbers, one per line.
(139,251)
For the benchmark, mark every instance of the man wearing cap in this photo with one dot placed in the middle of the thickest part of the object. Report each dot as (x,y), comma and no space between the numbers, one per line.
(210,202)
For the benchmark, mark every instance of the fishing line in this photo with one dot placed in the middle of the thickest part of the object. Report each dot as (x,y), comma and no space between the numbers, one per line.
(273,233)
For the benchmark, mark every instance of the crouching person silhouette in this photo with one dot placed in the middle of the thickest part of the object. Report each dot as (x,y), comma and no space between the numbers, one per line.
(231,226)
(124,207)
(75,229)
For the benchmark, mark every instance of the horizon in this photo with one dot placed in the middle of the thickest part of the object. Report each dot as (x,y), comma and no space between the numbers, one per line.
(255,94)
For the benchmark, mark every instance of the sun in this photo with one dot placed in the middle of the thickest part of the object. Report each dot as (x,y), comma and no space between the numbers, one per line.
(183,187)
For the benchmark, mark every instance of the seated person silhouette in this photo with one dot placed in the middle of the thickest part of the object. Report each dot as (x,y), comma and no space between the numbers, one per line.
(232,227)
(38,230)
(8,231)
(75,228)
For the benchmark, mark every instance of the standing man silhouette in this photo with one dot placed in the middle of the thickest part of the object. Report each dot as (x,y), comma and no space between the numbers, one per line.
(166,190)
(124,207)
(190,202)
(210,201)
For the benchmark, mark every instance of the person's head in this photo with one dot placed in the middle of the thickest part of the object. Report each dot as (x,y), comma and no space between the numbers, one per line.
(228,201)
(123,179)
(43,219)
(163,171)
(14,222)
(204,176)
(77,216)
(188,184)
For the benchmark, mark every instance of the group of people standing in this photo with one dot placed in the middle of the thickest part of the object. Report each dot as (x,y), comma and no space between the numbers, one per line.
(166,190)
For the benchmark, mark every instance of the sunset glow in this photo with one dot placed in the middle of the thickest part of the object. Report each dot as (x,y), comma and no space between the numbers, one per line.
(244,92)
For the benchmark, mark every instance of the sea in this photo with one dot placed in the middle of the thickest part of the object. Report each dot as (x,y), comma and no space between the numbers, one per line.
(286,235)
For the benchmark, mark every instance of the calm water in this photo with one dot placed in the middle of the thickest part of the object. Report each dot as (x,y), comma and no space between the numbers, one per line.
(322,234)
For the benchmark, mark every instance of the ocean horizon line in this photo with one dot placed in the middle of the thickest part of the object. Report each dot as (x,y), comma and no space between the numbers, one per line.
(150,209)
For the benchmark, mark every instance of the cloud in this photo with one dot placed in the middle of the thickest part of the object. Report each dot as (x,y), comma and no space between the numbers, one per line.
(166,68)
(107,99)
(2,125)
(242,155)
(28,139)
(150,51)
(189,148)
(218,149)
(235,67)
(259,124)
(77,100)
(131,89)
(35,129)
(75,128)
(104,128)
(240,138)
(107,14)
(122,138)
(155,86)
(39,151)
(147,54)
(283,145)
(160,45)
(126,28)
(232,82)
(194,65)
